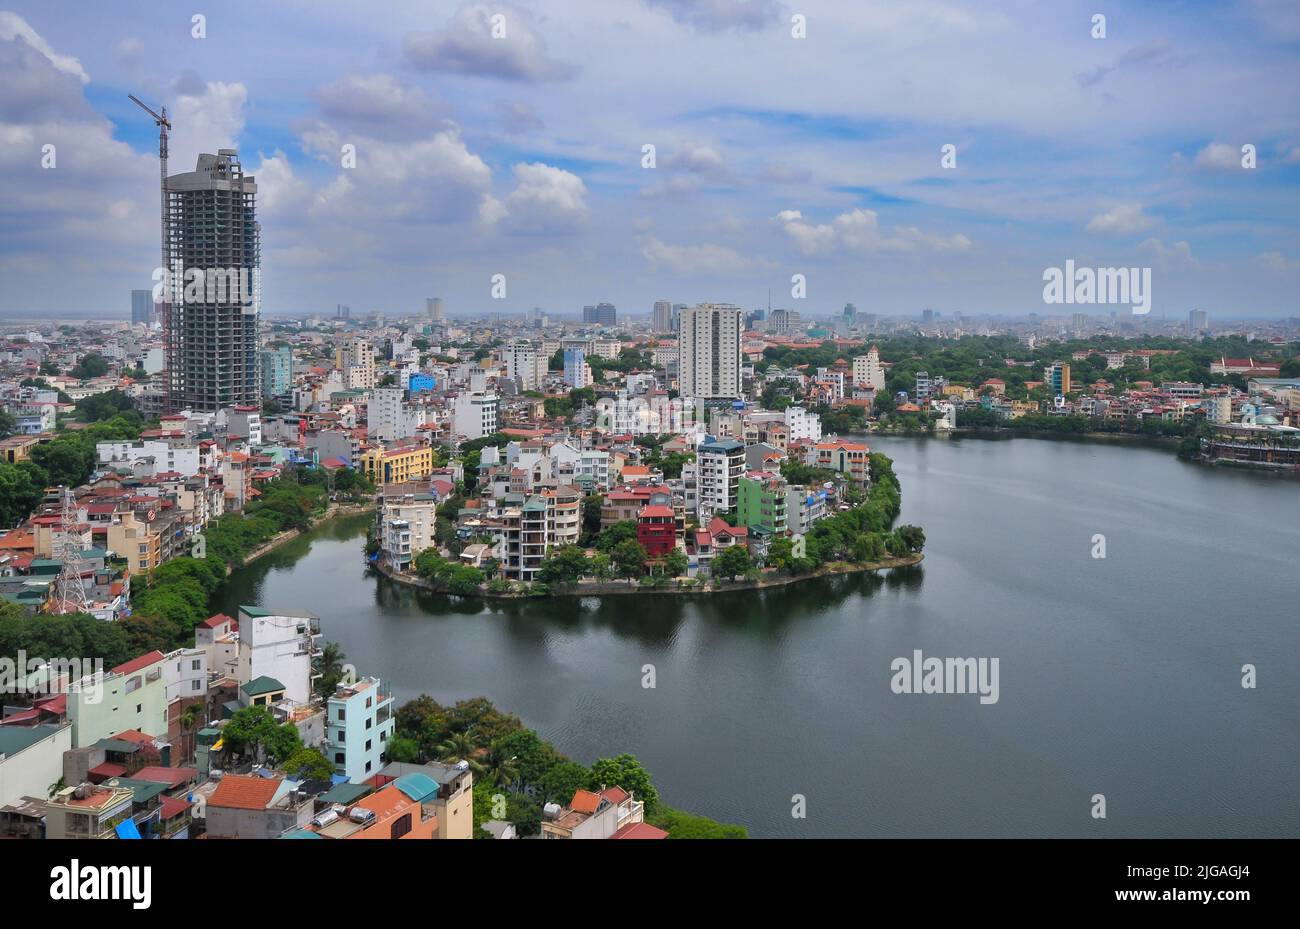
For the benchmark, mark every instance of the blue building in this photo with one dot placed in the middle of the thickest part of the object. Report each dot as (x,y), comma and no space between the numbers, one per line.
(277,371)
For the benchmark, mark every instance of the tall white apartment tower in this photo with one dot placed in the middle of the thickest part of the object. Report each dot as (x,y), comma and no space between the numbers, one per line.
(708,338)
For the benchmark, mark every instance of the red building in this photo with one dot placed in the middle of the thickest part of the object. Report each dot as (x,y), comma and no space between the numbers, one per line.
(656,530)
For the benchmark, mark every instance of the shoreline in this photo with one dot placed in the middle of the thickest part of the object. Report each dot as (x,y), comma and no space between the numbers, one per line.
(619,588)
(333,511)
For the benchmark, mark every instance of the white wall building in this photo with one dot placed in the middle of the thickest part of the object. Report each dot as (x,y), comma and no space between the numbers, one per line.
(803,424)
(709,344)
(475,415)
(278,646)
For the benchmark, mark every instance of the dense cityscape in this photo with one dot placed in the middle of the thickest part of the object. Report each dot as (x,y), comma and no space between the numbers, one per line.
(842,529)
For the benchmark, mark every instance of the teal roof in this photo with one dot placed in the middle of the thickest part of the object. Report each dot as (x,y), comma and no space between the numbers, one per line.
(300,834)
(13,739)
(254,611)
(262,685)
(419,787)
(345,793)
(144,791)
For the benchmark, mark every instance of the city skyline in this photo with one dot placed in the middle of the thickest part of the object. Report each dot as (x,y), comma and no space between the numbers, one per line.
(523,155)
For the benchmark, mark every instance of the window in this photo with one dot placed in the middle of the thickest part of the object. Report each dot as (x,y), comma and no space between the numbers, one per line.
(401,826)
(195,664)
(369,742)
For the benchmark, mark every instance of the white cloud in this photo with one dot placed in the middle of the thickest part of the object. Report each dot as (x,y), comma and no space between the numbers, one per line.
(13,26)
(546,200)
(1123,219)
(1276,261)
(468,46)
(859,231)
(1179,252)
(692,259)
(205,122)
(1218,156)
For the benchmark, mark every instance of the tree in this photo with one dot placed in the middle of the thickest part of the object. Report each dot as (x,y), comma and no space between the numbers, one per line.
(629,558)
(330,666)
(913,537)
(615,535)
(566,565)
(675,563)
(309,764)
(626,772)
(91,365)
(731,562)
(461,746)
(780,552)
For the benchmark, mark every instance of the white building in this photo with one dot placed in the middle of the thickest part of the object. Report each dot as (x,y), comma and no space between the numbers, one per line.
(389,417)
(185,675)
(803,424)
(868,371)
(356,361)
(31,759)
(525,363)
(719,465)
(155,455)
(280,647)
(708,339)
(406,527)
(475,415)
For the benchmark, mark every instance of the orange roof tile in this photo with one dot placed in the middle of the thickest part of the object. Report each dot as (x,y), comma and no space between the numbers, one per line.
(244,793)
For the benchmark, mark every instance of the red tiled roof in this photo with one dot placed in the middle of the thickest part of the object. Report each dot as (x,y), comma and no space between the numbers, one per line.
(174,806)
(615,795)
(584,801)
(107,770)
(172,777)
(137,664)
(640,831)
(216,620)
(244,793)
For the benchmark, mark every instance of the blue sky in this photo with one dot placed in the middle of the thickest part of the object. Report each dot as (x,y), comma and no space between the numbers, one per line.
(522,154)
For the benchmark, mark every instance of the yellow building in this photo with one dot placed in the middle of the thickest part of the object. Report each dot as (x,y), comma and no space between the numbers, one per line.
(397,464)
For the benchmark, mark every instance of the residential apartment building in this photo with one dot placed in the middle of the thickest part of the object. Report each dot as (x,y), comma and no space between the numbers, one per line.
(407,522)
(279,646)
(358,724)
(405,461)
(761,503)
(476,414)
(709,365)
(848,458)
(131,696)
(720,464)
(868,372)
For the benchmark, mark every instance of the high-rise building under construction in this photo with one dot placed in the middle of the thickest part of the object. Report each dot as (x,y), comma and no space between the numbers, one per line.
(211,318)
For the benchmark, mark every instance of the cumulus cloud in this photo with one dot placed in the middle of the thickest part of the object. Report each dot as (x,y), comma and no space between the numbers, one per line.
(546,200)
(206,118)
(1123,219)
(381,106)
(1218,156)
(13,26)
(1276,261)
(859,231)
(692,259)
(720,15)
(1175,253)
(467,46)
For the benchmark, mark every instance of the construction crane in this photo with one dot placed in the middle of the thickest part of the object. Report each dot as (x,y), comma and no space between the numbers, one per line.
(164,314)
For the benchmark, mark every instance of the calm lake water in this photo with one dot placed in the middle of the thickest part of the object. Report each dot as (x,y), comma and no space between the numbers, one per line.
(1118,676)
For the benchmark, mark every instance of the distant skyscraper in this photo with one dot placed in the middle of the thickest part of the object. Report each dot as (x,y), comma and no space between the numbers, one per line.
(602,314)
(1198,320)
(850,315)
(709,359)
(577,373)
(142,307)
(211,343)
(434,306)
(663,316)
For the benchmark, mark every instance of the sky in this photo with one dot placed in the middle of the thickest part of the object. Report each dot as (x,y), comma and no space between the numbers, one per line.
(511,139)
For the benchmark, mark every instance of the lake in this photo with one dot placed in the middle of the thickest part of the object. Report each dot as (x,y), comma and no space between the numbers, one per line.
(1119,676)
